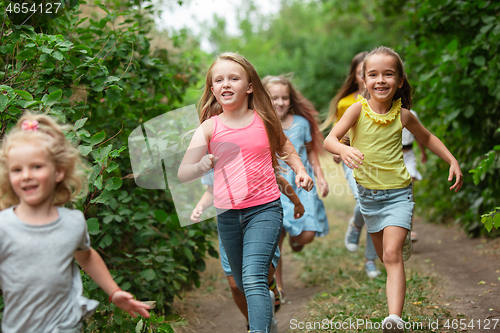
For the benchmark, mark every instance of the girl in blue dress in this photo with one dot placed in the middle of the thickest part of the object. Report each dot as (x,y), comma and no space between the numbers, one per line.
(299,119)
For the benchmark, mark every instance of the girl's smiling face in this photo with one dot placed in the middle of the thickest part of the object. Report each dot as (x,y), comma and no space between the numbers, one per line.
(281,98)
(32,174)
(230,85)
(381,77)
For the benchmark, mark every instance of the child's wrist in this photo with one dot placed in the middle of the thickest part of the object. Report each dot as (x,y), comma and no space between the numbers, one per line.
(112,294)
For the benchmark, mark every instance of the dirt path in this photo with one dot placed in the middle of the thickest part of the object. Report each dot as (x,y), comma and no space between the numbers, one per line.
(468,271)
(215,310)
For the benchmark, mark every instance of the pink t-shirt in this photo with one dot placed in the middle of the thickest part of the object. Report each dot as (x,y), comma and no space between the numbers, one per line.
(243,174)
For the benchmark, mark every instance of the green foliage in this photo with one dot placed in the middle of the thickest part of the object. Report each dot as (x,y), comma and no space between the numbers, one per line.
(453,56)
(100,75)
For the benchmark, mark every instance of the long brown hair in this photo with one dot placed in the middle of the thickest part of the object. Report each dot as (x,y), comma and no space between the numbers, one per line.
(301,106)
(259,100)
(404,92)
(350,86)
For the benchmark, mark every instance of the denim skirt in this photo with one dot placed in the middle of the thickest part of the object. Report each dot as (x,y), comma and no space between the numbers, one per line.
(384,208)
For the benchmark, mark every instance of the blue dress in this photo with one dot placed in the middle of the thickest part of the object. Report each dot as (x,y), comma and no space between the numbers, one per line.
(314,218)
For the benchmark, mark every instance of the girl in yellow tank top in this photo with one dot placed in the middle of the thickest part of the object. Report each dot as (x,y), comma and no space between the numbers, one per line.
(375,155)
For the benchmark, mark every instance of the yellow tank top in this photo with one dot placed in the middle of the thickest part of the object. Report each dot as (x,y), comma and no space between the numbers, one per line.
(344,104)
(378,137)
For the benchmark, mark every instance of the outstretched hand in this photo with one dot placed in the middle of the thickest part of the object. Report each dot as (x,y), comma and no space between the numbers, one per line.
(455,171)
(126,302)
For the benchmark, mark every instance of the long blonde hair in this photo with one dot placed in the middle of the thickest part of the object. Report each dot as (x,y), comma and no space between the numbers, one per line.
(259,100)
(301,106)
(63,155)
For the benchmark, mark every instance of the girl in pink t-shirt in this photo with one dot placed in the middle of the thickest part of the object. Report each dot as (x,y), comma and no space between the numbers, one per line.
(244,139)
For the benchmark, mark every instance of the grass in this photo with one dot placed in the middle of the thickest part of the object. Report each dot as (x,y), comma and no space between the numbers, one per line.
(350,301)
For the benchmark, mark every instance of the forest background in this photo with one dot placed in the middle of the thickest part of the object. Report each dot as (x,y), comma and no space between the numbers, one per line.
(105,69)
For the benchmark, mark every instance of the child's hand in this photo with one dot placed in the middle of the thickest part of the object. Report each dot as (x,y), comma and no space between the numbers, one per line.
(298,210)
(126,302)
(302,179)
(352,157)
(324,189)
(197,211)
(336,158)
(207,163)
(455,171)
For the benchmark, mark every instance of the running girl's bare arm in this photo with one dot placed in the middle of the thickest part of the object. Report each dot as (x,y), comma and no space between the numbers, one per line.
(196,161)
(435,145)
(293,160)
(287,190)
(312,156)
(94,266)
(332,142)
(206,201)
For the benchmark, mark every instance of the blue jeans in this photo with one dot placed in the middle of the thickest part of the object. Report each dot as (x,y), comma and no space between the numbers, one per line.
(250,237)
(359,222)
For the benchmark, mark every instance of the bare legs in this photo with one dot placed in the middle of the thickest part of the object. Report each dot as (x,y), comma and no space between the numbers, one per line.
(305,237)
(389,246)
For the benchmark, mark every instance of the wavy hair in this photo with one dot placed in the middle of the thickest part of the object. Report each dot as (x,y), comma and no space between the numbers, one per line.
(350,86)
(64,156)
(259,100)
(301,106)
(405,92)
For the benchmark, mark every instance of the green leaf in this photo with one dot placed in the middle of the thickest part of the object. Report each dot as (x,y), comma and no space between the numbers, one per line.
(104,197)
(188,254)
(479,61)
(3,102)
(452,46)
(113,95)
(108,219)
(93,224)
(161,215)
(79,123)
(139,326)
(148,274)
(82,49)
(75,61)
(118,317)
(98,183)
(53,97)
(58,55)
(113,184)
(112,166)
(98,138)
(84,150)
(24,95)
(25,55)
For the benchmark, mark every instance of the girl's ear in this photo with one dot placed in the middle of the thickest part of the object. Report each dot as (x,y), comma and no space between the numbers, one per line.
(401,82)
(250,89)
(60,173)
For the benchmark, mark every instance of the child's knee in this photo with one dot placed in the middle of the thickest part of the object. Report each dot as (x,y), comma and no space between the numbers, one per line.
(232,285)
(392,255)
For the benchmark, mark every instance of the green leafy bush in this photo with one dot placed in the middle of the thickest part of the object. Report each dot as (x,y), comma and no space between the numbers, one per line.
(100,75)
(452,52)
